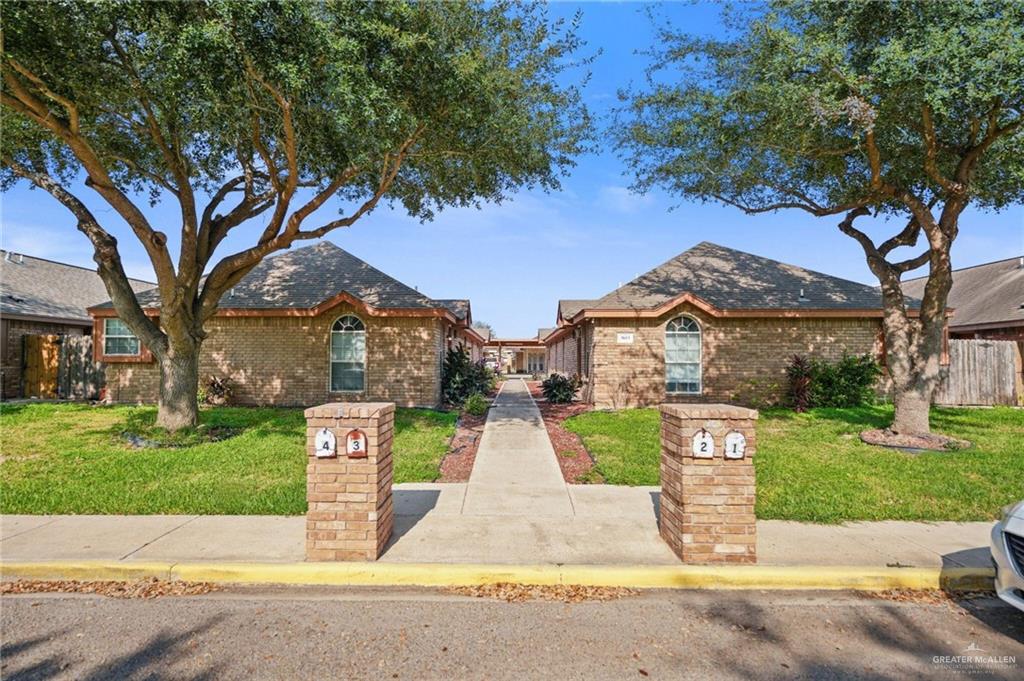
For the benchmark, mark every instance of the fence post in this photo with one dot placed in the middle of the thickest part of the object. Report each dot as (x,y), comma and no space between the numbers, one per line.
(350,512)
(707,482)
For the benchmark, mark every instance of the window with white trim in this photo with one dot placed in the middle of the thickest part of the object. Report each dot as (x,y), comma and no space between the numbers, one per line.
(682,356)
(118,339)
(348,355)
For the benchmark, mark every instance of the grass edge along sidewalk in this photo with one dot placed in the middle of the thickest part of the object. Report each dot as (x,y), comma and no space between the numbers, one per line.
(433,575)
(74,458)
(812,467)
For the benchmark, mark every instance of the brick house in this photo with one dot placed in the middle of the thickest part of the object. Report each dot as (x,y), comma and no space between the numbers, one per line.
(711,325)
(313,325)
(43,298)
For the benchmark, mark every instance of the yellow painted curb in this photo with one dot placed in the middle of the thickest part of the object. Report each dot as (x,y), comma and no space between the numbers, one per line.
(437,574)
(85,570)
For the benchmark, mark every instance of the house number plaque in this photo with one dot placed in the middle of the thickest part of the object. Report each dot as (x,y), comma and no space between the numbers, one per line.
(735,445)
(703,445)
(326,444)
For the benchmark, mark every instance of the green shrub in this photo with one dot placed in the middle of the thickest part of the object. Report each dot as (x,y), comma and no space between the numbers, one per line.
(461,377)
(847,383)
(476,404)
(560,389)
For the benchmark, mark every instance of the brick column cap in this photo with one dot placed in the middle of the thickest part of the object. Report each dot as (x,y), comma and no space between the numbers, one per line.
(708,411)
(350,410)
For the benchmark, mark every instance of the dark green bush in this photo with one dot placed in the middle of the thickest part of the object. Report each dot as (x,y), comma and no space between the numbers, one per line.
(560,389)
(847,383)
(461,377)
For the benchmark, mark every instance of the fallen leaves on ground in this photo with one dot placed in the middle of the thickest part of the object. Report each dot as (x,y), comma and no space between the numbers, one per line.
(926,596)
(567,593)
(148,588)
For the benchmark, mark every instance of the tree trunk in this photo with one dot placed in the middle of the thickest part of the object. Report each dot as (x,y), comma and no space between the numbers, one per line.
(179,382)
(912,407)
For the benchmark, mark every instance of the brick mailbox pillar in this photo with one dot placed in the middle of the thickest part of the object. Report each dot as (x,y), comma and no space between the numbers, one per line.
(348,486)
(707,482)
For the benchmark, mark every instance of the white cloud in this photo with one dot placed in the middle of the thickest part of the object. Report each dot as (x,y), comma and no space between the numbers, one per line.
(622,200)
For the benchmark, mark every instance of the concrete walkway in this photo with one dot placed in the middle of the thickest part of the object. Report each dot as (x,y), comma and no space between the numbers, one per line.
(429,528)
(515,472)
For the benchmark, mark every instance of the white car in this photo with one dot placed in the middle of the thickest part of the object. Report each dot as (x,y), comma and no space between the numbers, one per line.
(1008,552)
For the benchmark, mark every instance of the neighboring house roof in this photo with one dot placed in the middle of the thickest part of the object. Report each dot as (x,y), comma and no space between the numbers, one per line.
(729,279)
(36,287)
(568,308)
(543,333)
(989,295)
(483,332)
(308,277)
(458,307)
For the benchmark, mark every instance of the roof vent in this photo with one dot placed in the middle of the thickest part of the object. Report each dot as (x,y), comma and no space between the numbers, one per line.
(803,298)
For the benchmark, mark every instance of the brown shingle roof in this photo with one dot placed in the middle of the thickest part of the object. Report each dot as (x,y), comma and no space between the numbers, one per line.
(992,293)
(458,307)
(306,277)
(733,280)
(544,333)
(43,288)
(569,308)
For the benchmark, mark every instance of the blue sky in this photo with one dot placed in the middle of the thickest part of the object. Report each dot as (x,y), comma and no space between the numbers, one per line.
(516,260)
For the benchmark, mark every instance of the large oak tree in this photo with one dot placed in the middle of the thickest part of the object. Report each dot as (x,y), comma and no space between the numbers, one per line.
(904,110)
(256,115)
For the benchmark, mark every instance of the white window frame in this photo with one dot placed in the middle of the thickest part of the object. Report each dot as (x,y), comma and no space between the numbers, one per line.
(699,333)
(129,334)
(330,355)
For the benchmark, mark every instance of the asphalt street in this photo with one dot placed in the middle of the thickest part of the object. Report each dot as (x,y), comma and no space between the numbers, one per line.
(321,633)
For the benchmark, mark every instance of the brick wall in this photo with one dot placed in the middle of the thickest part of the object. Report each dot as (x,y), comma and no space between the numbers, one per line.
(742,358)
(561,356)
(11,332)
(284,361)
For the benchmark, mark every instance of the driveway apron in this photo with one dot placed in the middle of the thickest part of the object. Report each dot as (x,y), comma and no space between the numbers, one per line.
(516,473)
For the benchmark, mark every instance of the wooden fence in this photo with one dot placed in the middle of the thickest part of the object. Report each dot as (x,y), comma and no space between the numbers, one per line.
(60,367)
(981,372)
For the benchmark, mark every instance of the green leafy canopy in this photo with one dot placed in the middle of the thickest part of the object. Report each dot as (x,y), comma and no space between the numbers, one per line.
(779,114)
(479,80)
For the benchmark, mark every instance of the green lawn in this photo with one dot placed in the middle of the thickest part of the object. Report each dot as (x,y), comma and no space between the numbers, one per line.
(72,458)
(813,467)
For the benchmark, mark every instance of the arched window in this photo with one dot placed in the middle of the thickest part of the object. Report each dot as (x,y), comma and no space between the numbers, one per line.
(682,356)
(348,355)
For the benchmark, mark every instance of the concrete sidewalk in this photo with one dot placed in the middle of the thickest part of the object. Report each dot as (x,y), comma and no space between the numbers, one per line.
(515,473)
(611,526)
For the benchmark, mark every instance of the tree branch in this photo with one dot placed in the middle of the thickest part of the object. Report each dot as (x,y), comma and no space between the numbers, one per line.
(106,256)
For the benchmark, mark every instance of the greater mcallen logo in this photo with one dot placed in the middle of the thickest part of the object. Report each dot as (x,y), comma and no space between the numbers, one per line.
(974,660)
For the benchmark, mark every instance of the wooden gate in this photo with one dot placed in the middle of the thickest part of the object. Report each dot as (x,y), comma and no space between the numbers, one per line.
(79,376)
(60,367)
(42,357)
(981,372)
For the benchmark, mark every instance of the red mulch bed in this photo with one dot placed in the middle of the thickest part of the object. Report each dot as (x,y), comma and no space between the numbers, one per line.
(573,458)
(458,462)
